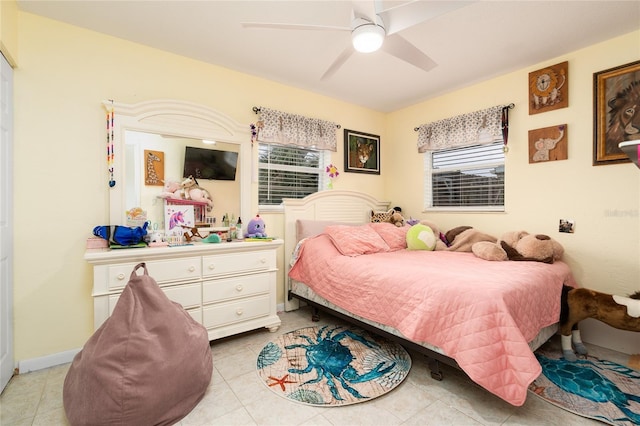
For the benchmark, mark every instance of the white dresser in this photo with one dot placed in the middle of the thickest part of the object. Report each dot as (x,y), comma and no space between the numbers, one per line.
(228,287)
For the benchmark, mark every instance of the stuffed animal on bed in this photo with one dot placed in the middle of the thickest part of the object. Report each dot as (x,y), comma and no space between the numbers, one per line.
(440,241)
(421,237)
(520,245)
(256,228)
(463,238)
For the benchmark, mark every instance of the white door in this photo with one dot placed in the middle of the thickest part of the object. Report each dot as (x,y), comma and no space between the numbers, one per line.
(6,223)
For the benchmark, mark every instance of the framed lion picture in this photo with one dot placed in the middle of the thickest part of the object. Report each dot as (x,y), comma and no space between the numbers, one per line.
(616,117)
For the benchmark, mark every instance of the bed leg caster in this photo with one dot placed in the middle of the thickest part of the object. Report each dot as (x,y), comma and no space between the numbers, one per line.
(434,366)
(315,314)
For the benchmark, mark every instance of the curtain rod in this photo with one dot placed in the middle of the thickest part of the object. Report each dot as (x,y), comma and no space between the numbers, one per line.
(257,111)
(415,129)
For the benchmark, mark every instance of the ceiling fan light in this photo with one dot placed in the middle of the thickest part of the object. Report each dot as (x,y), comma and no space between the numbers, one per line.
(367,38)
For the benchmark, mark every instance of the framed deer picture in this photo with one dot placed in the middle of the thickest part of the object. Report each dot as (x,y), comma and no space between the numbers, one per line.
(361,152)
(616,116)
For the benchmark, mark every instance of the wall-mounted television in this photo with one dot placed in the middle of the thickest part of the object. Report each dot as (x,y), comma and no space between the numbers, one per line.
(211,164)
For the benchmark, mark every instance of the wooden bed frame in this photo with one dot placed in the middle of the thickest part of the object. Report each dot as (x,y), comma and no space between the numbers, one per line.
(346,207)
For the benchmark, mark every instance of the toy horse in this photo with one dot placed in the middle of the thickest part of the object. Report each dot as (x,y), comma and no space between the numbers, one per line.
(190,233)
(581,303)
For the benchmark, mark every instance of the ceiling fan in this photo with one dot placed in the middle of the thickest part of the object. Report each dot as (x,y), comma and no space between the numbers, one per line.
(373,28)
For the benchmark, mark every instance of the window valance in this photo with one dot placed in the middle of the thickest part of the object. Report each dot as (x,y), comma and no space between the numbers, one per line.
(291,129)
(476,128)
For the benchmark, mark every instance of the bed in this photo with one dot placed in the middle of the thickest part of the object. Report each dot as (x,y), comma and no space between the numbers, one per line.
(483,317)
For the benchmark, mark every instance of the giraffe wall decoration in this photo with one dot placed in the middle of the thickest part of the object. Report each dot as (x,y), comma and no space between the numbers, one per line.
(154,168)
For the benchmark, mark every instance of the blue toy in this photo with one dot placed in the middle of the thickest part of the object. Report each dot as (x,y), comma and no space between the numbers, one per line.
(121,235)
(256,228)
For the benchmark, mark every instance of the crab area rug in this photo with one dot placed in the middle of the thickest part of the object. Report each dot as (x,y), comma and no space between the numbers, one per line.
(332,365)
(591,387)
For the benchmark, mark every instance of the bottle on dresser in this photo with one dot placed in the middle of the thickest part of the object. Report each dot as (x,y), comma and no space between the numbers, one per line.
(239,234)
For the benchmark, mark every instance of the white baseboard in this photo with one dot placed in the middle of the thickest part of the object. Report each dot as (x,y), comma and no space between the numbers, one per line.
(35,364)
(600,334)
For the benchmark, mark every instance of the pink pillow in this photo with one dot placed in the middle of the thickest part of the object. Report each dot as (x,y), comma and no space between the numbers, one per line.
(394,236)
(310,228)
(356,240)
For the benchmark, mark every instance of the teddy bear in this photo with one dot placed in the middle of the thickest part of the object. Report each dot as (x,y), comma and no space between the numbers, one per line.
(397,219)
(520,245)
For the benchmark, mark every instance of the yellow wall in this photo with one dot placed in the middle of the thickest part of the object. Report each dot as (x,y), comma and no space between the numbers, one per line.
(604,201)
(9,30)
(61,191)
(60,176)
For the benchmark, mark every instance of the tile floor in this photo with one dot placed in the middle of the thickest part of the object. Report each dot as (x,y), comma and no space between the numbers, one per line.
(236,396)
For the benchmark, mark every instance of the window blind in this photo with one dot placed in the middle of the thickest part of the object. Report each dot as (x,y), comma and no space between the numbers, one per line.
(466,177)
(287,172)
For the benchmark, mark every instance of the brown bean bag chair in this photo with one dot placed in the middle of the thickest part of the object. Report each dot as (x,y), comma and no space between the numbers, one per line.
(148,364)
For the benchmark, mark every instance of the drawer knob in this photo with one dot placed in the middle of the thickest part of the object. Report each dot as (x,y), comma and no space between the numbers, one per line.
(212,266)
(239,312)
(263,260)
(121,277)
(239,287)
(192,268)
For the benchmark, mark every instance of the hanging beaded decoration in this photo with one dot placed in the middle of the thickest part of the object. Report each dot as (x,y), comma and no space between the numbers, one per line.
(110,138)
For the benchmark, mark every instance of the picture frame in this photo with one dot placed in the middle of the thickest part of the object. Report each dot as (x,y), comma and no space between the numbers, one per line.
(612,92)
(548,144)
(549,88)
(360,146)
(176,216)
(153,168)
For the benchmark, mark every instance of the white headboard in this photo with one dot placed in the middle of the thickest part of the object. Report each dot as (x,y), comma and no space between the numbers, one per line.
(330,205)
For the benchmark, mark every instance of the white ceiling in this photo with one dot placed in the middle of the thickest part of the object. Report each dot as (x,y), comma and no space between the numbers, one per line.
(473,43)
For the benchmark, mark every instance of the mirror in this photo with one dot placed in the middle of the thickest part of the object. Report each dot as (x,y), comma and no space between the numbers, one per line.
(145,126)
(156,160)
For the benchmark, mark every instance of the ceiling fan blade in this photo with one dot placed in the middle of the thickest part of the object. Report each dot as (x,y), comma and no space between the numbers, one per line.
(340,60)
(365,10)
(409,14)
(402,49)
(282,26)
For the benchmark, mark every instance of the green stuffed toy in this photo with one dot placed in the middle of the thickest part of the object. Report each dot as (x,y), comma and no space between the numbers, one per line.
(421,237)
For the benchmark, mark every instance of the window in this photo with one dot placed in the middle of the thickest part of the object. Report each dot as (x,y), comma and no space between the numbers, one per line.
(288,172)
(468,178)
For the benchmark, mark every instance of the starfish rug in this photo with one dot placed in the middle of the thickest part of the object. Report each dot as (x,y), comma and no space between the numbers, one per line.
(332,365)
(591,387)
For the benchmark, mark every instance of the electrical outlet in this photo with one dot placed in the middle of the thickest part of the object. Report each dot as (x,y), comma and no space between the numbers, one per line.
(567,225)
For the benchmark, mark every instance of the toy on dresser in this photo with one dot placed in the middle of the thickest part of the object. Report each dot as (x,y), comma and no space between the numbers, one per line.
(192,191)
(256,228)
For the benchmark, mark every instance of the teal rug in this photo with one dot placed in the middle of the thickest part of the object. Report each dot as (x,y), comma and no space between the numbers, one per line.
(332,365)
(591,387)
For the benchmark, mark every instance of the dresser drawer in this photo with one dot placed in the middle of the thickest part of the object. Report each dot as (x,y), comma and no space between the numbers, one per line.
(234,287)
(162,271)
(188,295)
(235,311)
(238,263)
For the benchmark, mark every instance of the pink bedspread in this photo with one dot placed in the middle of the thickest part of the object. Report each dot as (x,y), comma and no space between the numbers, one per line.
(481,313)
